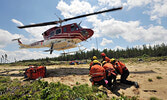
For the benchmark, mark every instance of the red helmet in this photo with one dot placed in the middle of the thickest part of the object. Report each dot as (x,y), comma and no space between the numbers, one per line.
(103,54)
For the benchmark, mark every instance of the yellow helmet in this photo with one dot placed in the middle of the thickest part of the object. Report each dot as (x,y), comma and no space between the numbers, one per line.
(112,60)
(94,57)
(104,62)
(96,61)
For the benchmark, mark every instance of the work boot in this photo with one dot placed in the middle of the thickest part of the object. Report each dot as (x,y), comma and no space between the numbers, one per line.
(136,84)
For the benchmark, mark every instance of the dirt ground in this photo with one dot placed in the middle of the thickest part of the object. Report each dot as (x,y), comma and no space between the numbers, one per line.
(140,72)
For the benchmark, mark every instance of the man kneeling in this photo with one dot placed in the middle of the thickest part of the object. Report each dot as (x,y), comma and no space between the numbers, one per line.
(110,74)
(97,74)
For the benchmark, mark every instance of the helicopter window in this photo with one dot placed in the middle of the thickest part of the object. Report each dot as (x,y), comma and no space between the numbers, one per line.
(51,33)
(65,29)
(58,31)
(73,28)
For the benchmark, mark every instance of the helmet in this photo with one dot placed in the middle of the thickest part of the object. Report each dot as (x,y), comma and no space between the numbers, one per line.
(94,57)
(104,62)
(112,60)
(103,54)
(96,62)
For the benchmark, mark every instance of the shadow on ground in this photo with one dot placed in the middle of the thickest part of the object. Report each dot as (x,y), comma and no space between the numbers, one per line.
(118,87)
(57,72)
(142,72)
(10,72)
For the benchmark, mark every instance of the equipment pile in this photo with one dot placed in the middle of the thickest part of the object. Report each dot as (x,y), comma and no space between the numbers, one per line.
(34,72)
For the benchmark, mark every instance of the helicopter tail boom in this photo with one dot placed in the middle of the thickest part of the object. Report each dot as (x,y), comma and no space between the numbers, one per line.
(22,46)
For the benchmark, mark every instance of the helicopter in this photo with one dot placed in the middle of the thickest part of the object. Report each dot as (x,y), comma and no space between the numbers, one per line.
(62,37)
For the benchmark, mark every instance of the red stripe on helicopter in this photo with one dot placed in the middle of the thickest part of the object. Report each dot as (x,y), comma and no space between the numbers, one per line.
(67,35)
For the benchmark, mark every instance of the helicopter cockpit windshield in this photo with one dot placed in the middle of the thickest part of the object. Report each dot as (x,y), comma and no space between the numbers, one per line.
(84,33)
(75,27)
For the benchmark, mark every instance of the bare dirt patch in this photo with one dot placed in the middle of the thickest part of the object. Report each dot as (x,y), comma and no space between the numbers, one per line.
(78,74)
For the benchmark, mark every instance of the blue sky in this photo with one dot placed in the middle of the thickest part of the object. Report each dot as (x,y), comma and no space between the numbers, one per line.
(139,22)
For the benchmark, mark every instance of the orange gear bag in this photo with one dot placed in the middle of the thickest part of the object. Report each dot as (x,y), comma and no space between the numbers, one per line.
(35,72)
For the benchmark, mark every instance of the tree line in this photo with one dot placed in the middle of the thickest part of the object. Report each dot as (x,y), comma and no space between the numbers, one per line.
(152,51)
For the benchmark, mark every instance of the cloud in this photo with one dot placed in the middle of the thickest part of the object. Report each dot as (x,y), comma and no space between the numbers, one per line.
(118,47)
(156,8)
(6,38)
(111,3)
(105,42)
(24,54)
(17,22)
(35,32)
(76,7)
(130,31)
(136,3)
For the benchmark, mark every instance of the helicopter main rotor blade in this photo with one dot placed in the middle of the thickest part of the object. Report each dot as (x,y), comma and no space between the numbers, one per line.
(40,24)
(67,19)
(95,13)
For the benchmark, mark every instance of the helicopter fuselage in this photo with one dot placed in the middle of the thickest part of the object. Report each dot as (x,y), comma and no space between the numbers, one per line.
(62,38)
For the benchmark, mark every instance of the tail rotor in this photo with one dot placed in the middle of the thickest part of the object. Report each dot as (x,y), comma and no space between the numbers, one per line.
(18,39)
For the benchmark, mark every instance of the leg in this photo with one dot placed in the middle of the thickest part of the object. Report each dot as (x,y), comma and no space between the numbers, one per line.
(109,79)
(124,77)
(113,79)
(101,82)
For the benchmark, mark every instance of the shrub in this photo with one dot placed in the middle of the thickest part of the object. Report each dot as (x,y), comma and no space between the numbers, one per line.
(154,98)
(150,80)
(159,77)
(37,89)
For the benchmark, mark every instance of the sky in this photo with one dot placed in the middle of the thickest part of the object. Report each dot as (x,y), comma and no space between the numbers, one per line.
(140,22)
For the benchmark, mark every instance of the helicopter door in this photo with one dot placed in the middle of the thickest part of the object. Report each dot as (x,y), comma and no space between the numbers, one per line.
(73,28)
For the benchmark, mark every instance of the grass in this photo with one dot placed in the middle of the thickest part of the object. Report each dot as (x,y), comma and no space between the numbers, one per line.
(13,89)
(77,83)
(154,98)
(159,77)
(42,90)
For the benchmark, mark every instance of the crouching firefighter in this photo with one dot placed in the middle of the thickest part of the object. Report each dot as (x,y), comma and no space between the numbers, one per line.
(97,74)
(110,74)
(123,71)
(105,58)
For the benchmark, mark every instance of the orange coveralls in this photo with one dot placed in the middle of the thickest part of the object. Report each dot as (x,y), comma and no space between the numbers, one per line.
(98,74)
(110,73)
(124,72)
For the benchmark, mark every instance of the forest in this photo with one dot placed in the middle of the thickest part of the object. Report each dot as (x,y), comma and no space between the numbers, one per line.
(150,51)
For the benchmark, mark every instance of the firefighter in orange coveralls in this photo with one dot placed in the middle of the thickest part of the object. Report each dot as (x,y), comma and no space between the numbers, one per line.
(104,57)
(110,73)
(97,74)
(91,63)
(123,71)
